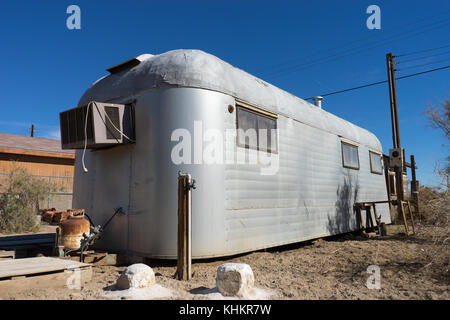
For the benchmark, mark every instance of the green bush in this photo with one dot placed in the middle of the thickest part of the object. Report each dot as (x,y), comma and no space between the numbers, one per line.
(19,201)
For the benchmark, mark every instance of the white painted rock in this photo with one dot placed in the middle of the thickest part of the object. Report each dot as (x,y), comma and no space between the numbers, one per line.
(234,279)
(137,275)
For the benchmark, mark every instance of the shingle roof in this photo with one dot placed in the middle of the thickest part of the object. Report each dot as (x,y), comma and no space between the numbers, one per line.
(17,142)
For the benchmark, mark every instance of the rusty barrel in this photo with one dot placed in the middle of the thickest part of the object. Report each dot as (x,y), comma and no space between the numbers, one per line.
(44,210)
(72,230)
(60,216)
(47,216)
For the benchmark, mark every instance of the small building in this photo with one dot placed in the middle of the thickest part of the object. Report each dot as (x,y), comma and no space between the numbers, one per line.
(42,158)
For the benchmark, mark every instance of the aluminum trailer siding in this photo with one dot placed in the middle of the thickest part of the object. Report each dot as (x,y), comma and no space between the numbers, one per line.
(235,208)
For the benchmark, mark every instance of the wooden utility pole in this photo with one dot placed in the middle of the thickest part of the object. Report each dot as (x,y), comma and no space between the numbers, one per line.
(393,100)
(32,131)
(395,132)
(414,185)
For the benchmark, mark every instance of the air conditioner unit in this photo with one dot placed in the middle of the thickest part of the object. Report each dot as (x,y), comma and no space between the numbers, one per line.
(97,125)
(396,157)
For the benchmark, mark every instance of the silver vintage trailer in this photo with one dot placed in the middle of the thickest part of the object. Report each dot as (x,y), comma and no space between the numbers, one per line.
(319,164)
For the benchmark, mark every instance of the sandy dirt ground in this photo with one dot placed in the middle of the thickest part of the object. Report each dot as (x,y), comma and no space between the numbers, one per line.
(332,268)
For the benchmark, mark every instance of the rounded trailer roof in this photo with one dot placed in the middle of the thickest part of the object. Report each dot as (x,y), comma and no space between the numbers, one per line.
(198,69)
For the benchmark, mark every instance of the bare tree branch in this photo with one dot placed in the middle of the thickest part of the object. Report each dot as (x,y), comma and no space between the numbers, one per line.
(440,117)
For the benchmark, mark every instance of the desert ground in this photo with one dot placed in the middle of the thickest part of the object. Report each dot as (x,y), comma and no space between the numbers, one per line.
(330,268)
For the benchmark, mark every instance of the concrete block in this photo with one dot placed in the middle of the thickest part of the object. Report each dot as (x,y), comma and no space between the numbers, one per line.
(137,275)
(235,279)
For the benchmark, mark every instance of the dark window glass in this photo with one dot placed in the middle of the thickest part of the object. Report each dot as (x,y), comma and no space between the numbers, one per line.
(375,163)
(350,158)
(247,129)
(266,140)
(255,130)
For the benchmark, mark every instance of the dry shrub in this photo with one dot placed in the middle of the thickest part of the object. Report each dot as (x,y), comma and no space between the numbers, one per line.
(434,205)
(435,202)
(435,215)
(19,201)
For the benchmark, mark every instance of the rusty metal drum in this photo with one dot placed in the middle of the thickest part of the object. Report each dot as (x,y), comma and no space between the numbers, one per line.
(60,216)
(72,231)
(47,216)
(44,210)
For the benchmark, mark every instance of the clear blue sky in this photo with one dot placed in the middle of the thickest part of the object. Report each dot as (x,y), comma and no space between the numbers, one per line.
(45,67)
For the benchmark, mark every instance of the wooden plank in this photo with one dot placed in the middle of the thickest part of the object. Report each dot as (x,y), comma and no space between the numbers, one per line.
(369,221)
(99,258)
(29,266)
(7,254)
(4,253)
(256,109)
(36,270)
(53,280)
(37,153)
(358,210)
(403,215)
(184,245)
(372,202)
(42,261)
(414,185)
(412,219)
(182,229)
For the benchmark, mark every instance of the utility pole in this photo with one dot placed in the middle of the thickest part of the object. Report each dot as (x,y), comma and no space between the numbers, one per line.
(395,131)
(393,100)
(414,184)
(32,131)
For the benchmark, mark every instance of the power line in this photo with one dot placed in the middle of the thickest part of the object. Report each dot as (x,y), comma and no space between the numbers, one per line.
(350,89)
(346,44)
(422,64)
(403,35)
(425,57)
(421,51)
(379,82)
(364,47)
(423,72)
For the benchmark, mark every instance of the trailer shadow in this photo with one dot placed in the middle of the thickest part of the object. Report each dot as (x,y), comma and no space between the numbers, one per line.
(344,220)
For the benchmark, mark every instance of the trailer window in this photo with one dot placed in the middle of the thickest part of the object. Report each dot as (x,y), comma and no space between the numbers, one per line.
(350,158)
(375,163)
(256,131)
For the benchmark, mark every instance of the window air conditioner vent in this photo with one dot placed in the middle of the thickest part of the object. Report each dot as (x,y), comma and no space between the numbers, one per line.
(97,125)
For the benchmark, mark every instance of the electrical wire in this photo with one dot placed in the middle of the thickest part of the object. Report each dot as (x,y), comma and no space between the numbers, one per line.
(338,55)
(104,121)
(350,89)
(379,82)
(118,130)
(423,72)
(421,51)
(364,39)
(85,137)
(420,58)
(346,53)
(423,64)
